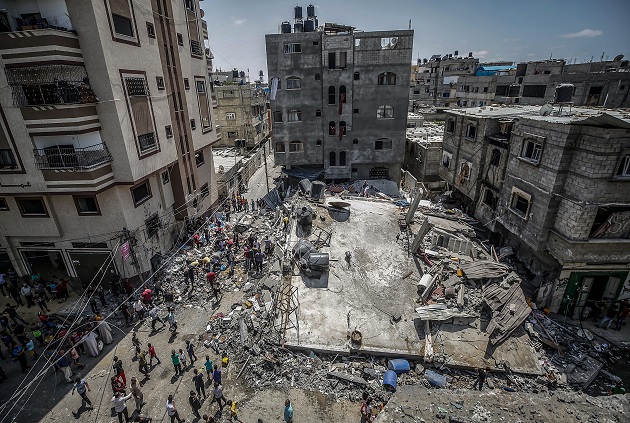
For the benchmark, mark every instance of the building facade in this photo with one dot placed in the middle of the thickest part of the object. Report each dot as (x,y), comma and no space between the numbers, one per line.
(242,115)
(105,133)
(339,101)
(553,186)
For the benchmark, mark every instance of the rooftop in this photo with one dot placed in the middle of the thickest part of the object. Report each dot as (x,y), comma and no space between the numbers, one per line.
(429,133)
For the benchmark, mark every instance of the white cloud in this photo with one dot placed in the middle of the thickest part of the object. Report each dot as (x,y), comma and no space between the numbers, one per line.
(238,21)
(585,33)
(480,54)
(531,54)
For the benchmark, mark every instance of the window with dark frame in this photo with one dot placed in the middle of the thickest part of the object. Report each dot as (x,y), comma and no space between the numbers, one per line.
(150,30)
(294,83)
(180,39)
(141,193)
(385,112)
(450,126)
(280,147)
(159,82)
(193,124)
(32,207)
(7,159)
(201,86)
(294,116)
(166,178)
(355,141)
(292,48)
(387,78)
(86,204)
(471,131)
(495,158)
(532,150)
(169,131)
(355,111)
(623,170)
(147,142)
(519,204)
(186,84)
(199,159)
(318,143)
(383,144)
(277,116)
(153,225)
(332,94)
(318,77)
(489,198)
(332,158)
(3,204)
(357,76)
(332,127)
(318,113)
(296,147)
(122,25)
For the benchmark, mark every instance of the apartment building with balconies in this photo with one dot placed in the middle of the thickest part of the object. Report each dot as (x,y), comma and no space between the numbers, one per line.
(339,101)
(105,123)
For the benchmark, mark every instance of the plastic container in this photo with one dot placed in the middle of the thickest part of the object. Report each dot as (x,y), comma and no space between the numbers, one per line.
(389,380)
(435,379)
(399,365)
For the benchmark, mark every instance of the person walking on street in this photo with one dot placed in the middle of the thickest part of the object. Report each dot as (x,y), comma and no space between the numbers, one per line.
(172,322)
(154,314)
(82,388)
(288,411)
(216,375)
(138,396)
(126,313)
(199,385)
(208,366)
(64,365)
(138,308)
(481,378)
(171,410)
(233,412)
(217,395)
(176,363)
(152,355)
(195,404)
(120,406)
(143,367)
(119,371)
(182,358)
(190,349)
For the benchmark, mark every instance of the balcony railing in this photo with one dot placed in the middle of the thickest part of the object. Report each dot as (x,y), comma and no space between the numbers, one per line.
(65,157)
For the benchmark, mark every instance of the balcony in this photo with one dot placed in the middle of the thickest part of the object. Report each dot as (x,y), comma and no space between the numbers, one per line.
(72,158)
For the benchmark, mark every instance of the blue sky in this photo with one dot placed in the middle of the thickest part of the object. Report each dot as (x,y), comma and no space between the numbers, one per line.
(492,29)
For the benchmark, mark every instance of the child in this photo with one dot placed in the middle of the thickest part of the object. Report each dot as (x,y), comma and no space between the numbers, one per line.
(233,413)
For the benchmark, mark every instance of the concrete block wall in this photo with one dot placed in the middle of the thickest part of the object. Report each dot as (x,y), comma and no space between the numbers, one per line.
(573,220)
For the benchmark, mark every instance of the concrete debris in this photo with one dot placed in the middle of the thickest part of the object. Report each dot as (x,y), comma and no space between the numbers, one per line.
(508,306)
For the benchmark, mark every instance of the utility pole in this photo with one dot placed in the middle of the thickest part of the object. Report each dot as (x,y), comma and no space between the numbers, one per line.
(134,259)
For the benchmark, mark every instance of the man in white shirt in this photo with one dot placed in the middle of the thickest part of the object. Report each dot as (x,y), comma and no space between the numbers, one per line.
(138,307)
(120,406)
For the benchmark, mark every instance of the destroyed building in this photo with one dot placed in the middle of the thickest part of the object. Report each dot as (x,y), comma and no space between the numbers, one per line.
(423,153)
(550,183)
(339,99)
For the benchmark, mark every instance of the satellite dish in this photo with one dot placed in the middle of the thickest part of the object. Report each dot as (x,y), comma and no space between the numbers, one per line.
(546,110)
(618,58)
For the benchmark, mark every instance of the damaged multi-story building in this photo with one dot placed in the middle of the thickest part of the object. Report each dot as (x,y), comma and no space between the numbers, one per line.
(106,132)
(338,99)
(552,184)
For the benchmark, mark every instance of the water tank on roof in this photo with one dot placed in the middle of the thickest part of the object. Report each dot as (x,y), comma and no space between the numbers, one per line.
(235,73)
(241,74)
(309,26)
(298,27)
(564,93)
(298,12)
(470,54)
(285,27)
(310,11)
(514,90)
(456,53)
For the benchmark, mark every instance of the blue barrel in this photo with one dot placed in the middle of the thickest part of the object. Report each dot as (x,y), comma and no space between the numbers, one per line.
(389,380)
(399,365)
(435,379)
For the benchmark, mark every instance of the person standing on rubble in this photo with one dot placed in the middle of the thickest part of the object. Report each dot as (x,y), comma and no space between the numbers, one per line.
(138,308)
(288,411)
(190,349)
(285,221)
(171,410)
(217,395)
(176,363)
(152,355)
(481,377)
(208,366)
(191,276)
(216,375)
(171,321)
(199,385)
(154,315)
(259,257)
(247,253)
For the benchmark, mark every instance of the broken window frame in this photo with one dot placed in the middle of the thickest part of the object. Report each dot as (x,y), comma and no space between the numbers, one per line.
(292,48)
(518,199)
(386,78)
(531,151)
(623,168)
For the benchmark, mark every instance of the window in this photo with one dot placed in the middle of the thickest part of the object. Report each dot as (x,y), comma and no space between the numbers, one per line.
(536,91)
(389,43)
(318,143)
(446,159)
(355,141)
(141,193)
(190,5)
(342,127)
(3,204)
(416,91)
(292,48)
(332,127)
(32,207)
(193,124)
(180,39)
(357,76)
(147,141)
(383,144)
(122,25)
(277,116)
(205,190)
(294,83)
(153,225)
(485,89)
(385,112)
(495,158)
(343,60)
(450,126)
(296,147)
(357,42)
(318,77)
(86,205)
(623,169)
(232,116)
(150,30)
(315,43)
(501,90)
(387,78)
(520,203)
(355,111)
(199,159)
(332,63)
(342,158)
(280,147)
(471,131)
(490,198)
(136,87)
(232,134)
(195,48)
(7,159)
(166,178)
(342,94)
(332,95)
(332,158)
(169,131)
(201,86)
(294,116)
(532,150)
(160,82)
(186,84)
(318,113)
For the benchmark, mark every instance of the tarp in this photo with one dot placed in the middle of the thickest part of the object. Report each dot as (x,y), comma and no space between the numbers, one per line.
(491,70)
(303,173)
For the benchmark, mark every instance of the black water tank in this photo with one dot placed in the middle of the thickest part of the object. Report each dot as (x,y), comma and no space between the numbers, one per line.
(298,12)
(298,27)
(564,93)
(234,73)
(309,26)
(514,90)
(286,27)
(310,11)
